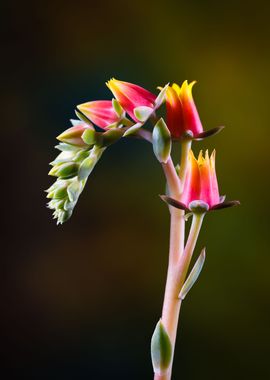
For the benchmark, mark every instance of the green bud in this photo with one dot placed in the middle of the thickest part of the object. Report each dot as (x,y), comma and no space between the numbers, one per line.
(161,349)
(162,141)
(86,167)
(66,170)
(81,155)
(66,156)
(89,136)
(67,147)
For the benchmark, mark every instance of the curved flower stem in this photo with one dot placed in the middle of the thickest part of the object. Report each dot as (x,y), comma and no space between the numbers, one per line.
(186,145)
(168,167)
(177,271)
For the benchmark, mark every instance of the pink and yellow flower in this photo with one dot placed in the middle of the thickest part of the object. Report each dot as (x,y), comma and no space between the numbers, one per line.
(100,112)
(182,114)
(201,180)
(131,96)
(200,191)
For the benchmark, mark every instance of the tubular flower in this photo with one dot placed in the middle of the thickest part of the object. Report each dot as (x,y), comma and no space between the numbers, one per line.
(100,112)
(130,96)
(182,114)
(200,191)
(201,181)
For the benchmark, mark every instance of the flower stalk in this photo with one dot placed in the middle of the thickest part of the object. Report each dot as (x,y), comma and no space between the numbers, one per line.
(193,188)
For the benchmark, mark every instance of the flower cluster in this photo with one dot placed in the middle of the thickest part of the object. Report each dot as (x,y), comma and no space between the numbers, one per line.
(103,122)
(192,184)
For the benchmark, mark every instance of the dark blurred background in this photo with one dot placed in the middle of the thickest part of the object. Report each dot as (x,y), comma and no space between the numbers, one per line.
(80,301)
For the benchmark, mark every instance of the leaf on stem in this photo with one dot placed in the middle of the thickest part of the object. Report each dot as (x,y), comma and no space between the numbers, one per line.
(142,113)
(193,276)
(161,349)
(162,142)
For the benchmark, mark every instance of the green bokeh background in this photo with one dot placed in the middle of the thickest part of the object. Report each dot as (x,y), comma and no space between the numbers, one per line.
(81,301)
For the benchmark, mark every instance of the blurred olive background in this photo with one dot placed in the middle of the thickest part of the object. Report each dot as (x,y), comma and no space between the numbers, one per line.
(80,301)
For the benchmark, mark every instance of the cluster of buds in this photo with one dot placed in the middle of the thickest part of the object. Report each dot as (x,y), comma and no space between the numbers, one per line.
(81,147)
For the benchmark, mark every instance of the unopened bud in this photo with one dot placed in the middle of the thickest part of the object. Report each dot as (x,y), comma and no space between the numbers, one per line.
(73,135)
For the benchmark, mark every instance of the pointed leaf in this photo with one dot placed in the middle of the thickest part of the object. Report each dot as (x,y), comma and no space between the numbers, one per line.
(132,130)
(161,96)
(117,107)
(142,113)
(210,132)
(173,202)
(74,190)
(193,276)
(86,167)
(162,143)
(225,204)
(89,136)
(161,349)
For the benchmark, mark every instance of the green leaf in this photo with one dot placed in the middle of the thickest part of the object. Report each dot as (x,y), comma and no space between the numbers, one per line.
(63,147)
(74,190)
(142,113)
(161,96)
(89,136)
(86,167)
(193,276)
(161,349)
(67,170)
(117,107)
(132,130)
(162,143)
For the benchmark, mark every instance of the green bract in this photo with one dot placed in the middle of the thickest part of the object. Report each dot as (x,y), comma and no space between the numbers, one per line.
(161,349)
(162,141)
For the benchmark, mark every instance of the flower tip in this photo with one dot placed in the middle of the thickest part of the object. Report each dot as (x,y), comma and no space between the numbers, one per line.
(110,83)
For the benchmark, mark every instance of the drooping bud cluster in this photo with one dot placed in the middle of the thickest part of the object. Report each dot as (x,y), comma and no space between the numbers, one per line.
(72,166)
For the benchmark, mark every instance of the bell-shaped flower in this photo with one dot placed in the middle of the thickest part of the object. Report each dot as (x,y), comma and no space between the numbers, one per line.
(102,113)
(136,101)
(182,115)
(200,190)
(201,180)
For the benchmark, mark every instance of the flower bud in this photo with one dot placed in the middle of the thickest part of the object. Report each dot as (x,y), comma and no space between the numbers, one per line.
(73,135)
(65,170)
(182,114)
(131,96)
(101,112)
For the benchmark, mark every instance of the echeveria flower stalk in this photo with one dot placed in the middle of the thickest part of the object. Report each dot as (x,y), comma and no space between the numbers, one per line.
(192,186)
